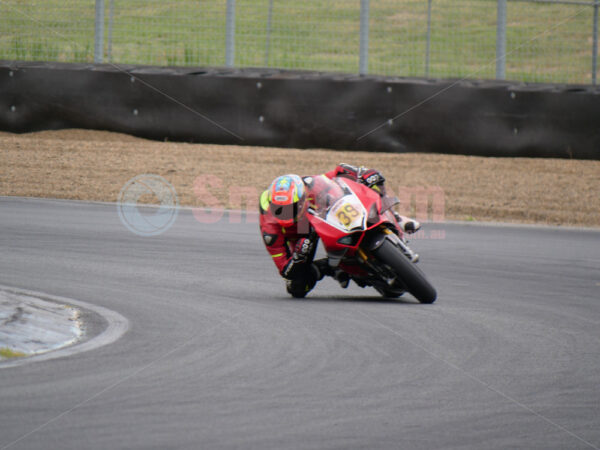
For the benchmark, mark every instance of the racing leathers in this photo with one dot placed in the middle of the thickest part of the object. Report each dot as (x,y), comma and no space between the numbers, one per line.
(293,248)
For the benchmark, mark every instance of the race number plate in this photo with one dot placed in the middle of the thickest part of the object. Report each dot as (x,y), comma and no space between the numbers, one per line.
(348,213)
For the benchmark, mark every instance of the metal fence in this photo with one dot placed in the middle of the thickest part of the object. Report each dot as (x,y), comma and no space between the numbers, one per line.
(523,40)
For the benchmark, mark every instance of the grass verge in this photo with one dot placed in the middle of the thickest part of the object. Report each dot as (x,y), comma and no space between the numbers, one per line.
(6,352)
(545,42)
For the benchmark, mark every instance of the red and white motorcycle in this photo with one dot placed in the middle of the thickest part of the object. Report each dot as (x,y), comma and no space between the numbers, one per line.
(362,238)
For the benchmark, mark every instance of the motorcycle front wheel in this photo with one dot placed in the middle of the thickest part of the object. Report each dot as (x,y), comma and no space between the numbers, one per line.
(411,276)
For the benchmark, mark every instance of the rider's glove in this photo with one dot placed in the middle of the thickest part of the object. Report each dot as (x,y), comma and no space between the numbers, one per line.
(303,252)
(303,249)
(371,178)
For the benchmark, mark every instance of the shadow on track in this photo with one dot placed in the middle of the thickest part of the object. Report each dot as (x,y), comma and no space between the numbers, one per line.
(354,299)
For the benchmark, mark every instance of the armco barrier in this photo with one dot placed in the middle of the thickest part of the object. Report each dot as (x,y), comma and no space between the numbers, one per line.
(304,109)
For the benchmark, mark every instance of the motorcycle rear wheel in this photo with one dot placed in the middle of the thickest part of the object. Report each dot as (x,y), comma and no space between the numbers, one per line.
(410,275)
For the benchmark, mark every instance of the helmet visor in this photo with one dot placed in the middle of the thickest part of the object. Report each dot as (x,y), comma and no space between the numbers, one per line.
(285,213)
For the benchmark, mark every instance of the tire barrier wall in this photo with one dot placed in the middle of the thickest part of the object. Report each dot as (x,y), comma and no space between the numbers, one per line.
(304,109)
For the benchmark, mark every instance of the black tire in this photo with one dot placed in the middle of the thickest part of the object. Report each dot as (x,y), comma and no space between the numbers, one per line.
(412,277)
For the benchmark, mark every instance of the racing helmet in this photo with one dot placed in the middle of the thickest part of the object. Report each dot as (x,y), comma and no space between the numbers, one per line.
(287,198)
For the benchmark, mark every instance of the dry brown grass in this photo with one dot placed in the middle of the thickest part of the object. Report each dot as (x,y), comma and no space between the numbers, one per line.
(92,165)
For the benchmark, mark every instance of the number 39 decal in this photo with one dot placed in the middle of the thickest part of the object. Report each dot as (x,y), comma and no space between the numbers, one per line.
(346,214)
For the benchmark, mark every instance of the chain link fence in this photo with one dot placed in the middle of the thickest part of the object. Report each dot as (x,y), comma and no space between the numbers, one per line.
(522,40)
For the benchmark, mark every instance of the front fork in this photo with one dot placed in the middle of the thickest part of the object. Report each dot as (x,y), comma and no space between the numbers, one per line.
(402,244)
(363,252)
(398,241)
(365,258)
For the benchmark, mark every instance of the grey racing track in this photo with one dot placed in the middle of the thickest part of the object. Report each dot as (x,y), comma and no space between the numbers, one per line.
(217,356)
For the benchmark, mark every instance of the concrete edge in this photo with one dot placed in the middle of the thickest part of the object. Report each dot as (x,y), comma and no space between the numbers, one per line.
(116,327)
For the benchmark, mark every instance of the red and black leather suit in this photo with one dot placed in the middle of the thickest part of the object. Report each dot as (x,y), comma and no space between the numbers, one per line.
(293,248)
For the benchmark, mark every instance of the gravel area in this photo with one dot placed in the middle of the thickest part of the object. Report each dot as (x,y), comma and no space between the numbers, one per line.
(94,165)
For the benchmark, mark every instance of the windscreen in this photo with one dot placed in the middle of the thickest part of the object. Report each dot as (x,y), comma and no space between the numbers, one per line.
(324,193)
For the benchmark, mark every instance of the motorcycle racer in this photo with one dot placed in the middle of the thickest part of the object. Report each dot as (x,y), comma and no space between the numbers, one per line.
(288,236)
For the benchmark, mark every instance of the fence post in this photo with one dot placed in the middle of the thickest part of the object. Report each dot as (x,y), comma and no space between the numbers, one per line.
(595,44)
(268,43)
(501,41)
(111,17)
(99,32)
(428,49)
(230,33)
(363,63)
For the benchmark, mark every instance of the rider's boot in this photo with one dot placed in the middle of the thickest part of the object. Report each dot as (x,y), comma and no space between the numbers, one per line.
(326,270)
(407,224)
(323,267)
(343,278)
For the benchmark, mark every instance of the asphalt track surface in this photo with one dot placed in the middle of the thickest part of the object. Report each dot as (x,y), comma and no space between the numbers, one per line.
(217,356)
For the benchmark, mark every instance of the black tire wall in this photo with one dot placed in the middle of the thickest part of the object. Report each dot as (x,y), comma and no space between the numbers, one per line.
(304,109)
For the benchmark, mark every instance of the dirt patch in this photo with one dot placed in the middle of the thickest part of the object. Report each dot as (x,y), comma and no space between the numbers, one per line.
(93,165)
